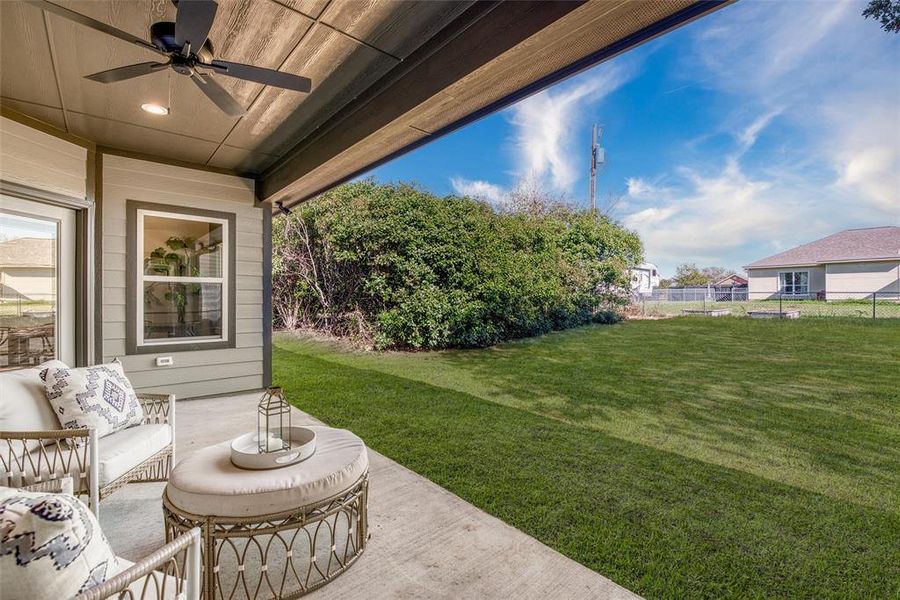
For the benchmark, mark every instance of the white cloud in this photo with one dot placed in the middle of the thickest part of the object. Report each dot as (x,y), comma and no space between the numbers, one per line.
(865,151)
(714,216)
(481,190)
(758,45)
(549,143)
(816,78)
(549,146)
(650,217)
(641,189)
(748,136)
(821,68)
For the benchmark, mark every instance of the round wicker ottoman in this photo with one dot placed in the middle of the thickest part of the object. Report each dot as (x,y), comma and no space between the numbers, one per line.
(276,533)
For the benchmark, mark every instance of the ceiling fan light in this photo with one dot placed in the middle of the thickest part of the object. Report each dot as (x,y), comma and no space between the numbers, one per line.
(155,109)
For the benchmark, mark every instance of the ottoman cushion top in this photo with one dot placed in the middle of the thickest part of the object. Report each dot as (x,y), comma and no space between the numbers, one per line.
(208,484)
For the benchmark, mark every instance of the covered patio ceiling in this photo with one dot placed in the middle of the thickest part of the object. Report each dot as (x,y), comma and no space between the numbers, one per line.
(387,76)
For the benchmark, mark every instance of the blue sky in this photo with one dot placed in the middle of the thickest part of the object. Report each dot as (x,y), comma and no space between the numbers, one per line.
(757,128)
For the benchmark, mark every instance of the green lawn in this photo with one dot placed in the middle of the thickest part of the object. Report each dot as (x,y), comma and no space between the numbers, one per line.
(689,457)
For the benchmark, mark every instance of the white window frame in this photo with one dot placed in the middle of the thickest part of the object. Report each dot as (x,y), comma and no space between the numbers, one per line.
(781,284)
(141,278)
(63,220)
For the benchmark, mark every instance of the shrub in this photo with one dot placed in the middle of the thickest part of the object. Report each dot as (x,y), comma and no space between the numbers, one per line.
(399,267)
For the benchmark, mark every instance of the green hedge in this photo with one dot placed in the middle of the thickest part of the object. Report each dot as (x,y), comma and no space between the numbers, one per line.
(402,268)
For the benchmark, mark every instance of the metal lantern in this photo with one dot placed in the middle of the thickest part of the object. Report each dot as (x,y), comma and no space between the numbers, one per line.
(273,423)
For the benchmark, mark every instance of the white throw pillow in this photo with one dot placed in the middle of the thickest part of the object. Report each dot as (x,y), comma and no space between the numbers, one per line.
(23,403)
(51,546)
(100,397)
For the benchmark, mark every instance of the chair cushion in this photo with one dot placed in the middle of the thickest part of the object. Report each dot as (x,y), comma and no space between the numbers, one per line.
(126,449)
(23,403)
(51,546)
(206,483)
(100,397)
(116,454)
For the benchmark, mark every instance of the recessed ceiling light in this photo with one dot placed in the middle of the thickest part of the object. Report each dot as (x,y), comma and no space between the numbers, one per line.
(154,109)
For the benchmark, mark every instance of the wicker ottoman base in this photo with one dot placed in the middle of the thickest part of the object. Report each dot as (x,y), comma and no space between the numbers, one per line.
(284,555)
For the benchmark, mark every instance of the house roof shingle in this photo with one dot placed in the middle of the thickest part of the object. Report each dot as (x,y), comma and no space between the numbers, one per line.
(28,252)
(873,243)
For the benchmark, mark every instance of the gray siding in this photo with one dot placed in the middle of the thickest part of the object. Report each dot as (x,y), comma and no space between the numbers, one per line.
(199,372)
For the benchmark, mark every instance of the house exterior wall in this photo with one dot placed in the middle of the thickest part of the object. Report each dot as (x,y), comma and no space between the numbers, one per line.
(195,372)
(35,283)
(37,159)
(857,280)
(764,282)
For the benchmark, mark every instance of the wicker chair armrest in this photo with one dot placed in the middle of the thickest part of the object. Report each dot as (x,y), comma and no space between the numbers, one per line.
(177,563)
(158,408)
(57,453)
(49,434)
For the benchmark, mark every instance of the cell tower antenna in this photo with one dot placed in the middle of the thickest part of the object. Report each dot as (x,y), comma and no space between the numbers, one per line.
(598,159)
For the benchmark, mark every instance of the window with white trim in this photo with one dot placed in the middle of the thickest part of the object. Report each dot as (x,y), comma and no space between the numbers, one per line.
(182,278)
(794,283)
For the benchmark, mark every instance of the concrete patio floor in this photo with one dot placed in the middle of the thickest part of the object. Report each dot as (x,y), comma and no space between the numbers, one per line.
(426,542)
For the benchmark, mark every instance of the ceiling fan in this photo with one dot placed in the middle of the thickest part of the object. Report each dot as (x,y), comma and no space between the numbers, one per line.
(186,45)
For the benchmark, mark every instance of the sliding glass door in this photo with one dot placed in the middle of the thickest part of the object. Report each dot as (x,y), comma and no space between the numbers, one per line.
(37,283)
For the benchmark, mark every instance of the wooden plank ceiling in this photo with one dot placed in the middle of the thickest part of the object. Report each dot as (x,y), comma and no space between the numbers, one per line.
(387,75)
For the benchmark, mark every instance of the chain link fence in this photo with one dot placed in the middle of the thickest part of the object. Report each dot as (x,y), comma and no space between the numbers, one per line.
(741,302)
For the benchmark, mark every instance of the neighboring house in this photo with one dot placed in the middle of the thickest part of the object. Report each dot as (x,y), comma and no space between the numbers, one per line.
(644,278)
(730,289)
(27,269)
(731,281)
(848,264)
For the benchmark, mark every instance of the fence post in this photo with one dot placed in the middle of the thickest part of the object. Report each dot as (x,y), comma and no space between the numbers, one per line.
(874,296)
(780,309)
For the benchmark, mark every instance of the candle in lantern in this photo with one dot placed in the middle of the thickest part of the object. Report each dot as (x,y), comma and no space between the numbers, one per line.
(274,443)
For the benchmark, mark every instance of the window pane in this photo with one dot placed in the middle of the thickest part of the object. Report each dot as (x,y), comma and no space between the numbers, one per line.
(182,310)
(27,291)
(803,279)
(180,248)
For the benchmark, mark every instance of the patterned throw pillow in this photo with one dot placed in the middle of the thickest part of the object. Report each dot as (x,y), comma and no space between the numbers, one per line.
(51,546)
(99,396)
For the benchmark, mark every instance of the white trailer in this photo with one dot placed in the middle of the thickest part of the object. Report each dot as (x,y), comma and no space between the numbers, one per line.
(644,278)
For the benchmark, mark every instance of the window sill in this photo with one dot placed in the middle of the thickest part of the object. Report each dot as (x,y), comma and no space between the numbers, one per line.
(183,347)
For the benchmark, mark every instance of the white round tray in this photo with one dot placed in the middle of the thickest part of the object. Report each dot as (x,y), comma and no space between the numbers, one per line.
(246,455)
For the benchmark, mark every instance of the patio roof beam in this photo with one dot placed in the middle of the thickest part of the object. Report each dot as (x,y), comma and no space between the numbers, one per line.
(482,47)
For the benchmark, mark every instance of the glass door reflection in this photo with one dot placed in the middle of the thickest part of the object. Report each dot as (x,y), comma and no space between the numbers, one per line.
(29,288)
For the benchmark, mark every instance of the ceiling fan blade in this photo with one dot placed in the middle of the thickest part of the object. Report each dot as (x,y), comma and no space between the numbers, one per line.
(193,20)
(218,95)
(81,19)
(128,72)
(260,75)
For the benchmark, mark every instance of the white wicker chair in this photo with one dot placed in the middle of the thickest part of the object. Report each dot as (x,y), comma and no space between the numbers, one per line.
(172,572)
(31,459)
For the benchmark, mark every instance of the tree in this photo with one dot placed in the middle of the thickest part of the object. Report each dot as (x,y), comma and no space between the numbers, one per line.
(887,12)
(395,266)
